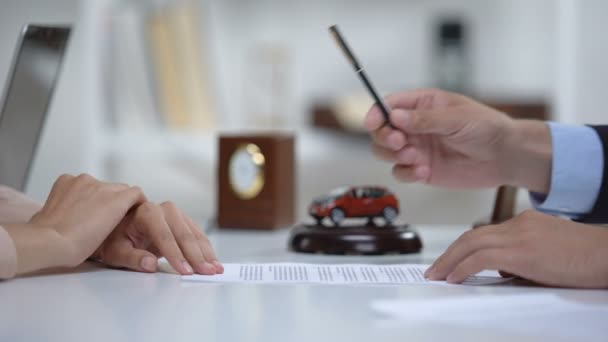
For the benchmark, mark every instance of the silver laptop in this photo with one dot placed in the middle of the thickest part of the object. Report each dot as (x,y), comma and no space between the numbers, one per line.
(29,88)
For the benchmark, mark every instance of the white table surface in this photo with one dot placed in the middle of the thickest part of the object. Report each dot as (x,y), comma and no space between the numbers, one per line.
(93,303)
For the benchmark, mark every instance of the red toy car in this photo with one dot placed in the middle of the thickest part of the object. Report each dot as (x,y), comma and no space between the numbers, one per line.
(356,201)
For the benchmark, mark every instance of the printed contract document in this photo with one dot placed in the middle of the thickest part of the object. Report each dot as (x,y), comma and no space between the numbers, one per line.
(339,274)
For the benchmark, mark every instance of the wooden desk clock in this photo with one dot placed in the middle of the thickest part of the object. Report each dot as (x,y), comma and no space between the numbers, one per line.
(256,181)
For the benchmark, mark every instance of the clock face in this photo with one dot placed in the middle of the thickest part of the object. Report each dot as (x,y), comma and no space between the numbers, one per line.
(246,171)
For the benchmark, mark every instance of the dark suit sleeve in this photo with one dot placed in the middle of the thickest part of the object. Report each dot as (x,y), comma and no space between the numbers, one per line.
(599,213)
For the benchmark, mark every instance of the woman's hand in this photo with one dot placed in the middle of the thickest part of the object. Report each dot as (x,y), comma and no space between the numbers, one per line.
(84,217)
(153,230)
(535,246)
(446,139)
(77,217)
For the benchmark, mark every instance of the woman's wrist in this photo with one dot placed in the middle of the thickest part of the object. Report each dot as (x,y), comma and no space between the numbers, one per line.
(16,206)
(528,155)
(38,247)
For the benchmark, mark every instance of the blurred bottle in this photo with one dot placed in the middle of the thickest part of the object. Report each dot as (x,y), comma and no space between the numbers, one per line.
(266,86)
(451,64)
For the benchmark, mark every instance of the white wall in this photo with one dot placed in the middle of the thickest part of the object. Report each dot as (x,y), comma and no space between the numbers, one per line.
(512,46)
(583,70)
(512,49)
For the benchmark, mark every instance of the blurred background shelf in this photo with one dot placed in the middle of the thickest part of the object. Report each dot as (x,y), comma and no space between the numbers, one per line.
(348,119)
(270,64)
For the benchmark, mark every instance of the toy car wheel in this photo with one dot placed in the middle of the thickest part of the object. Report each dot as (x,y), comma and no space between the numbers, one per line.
(318,220)
(337,215)
(389,214)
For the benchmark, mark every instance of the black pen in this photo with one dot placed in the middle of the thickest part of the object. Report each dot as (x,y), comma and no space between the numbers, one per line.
(333,30)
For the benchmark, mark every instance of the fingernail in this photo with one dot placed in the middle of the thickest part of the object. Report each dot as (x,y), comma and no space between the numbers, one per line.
(400,115)
(369,123)
(148,263)
(421,172)
(450,279)
(396,140)
(187,267)
(218,267)
(433,276)
(208,268)
(429,271)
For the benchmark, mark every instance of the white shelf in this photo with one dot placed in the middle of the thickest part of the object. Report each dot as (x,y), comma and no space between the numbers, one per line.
(159,145)
(311,144)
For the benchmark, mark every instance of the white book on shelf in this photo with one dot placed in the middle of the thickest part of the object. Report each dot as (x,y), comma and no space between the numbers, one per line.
(129,82)
(179,54)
